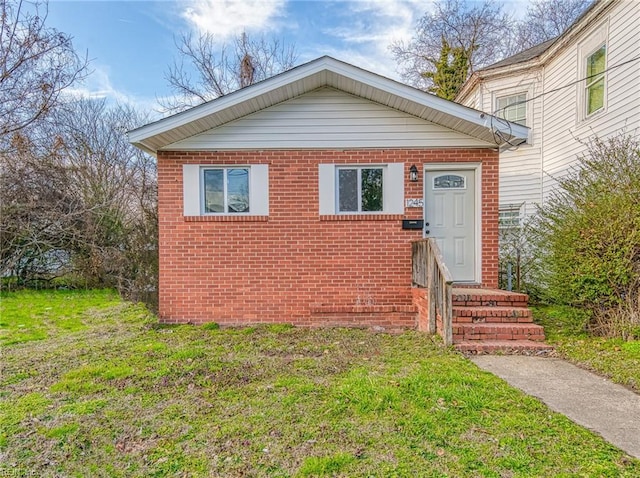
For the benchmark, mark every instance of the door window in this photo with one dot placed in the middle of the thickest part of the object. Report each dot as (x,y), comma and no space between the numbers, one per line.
(449,181)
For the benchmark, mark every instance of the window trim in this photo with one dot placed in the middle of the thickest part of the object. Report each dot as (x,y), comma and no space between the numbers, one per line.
(594,40)
(359,168)
(225,206)
(393,187)
(516,103)
(529,90)
(193,193)
(516,216)
(590,82)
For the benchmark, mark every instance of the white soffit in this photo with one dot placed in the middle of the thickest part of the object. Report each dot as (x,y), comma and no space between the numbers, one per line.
(324,71)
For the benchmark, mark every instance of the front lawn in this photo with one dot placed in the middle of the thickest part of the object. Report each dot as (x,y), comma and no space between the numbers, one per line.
(118,395)
(616,359)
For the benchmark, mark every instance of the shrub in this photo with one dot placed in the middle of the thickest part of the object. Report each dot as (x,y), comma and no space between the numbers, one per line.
(589,231)
(621,321)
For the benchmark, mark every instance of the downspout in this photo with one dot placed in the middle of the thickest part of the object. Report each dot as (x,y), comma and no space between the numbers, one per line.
(542,116)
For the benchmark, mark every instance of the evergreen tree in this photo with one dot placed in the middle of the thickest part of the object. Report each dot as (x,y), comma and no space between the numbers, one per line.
(450,72)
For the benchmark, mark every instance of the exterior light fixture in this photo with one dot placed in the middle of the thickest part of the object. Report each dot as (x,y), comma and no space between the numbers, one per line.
(413,173)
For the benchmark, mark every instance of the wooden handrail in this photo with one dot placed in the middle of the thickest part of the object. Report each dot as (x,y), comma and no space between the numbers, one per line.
(430,271)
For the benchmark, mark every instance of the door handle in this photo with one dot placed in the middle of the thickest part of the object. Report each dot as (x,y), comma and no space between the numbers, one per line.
(427,231)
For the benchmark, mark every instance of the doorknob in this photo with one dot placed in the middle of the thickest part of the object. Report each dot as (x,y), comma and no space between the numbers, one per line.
(427,231)
(426,224)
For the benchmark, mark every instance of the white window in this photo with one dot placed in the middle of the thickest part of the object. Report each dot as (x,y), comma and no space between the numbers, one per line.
(361,189)
(592,56)
(594,89)
(513,108)
(509,217)
(226,190)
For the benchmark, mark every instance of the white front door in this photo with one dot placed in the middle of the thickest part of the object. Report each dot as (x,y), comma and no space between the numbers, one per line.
(450,218)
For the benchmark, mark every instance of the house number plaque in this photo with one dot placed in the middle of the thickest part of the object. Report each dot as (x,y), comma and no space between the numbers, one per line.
(414,202)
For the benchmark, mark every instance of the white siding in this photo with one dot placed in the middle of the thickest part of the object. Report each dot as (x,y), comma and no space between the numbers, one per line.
(559,129)
(565,129)
(520,169)
(327,118)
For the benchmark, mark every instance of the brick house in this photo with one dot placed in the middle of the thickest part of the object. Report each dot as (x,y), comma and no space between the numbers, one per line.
(296,199)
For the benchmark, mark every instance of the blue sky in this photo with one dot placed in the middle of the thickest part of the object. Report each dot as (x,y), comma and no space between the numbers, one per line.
(131,43)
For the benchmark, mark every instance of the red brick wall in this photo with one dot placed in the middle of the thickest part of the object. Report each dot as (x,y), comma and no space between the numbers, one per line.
(296,266)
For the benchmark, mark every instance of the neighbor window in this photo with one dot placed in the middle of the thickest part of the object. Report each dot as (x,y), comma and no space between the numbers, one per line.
(509,217)
(359,189)
(594,90)
(513,108)
(226,190)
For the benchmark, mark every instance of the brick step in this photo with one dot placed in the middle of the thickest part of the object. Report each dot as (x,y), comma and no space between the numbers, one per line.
(497,331)
(388,318)
(505,347)
(488,298)
(491,315)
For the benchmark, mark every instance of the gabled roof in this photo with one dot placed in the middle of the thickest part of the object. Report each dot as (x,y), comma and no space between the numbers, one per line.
(324,71)
(538,55)
(526,55)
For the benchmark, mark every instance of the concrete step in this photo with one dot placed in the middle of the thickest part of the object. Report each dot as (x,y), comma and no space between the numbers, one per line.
(497,331)
(505,347)
(488,298)
(485,314)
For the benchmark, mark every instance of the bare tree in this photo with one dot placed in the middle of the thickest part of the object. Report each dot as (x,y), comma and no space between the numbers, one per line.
(84,204)
(207,70)
(36,64)
(479,30)
(116,184)
(38,213)
(546,19)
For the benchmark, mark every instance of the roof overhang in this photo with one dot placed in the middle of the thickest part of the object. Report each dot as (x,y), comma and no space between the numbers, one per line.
(591,15)
(323,72)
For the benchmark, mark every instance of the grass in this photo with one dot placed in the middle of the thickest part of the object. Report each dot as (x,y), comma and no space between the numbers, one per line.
(613,358)
(119,395)
(36,315)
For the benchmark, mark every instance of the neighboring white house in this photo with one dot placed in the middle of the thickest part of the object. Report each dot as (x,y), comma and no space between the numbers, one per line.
(583,83)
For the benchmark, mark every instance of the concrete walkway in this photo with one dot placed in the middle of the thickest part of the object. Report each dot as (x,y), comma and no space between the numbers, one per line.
(608,409)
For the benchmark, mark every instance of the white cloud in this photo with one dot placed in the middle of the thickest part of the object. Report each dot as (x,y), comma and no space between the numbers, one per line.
(98,85)
(381,21)
(373,26)
(226,18)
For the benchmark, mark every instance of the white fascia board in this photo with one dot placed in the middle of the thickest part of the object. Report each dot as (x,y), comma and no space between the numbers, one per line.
(144,148)
(420,97)
(224,102)
(517,132)
(307,70)
(408,92)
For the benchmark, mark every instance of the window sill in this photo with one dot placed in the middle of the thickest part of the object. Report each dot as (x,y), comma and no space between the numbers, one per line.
(596,114)
(361,217)
(226,218)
